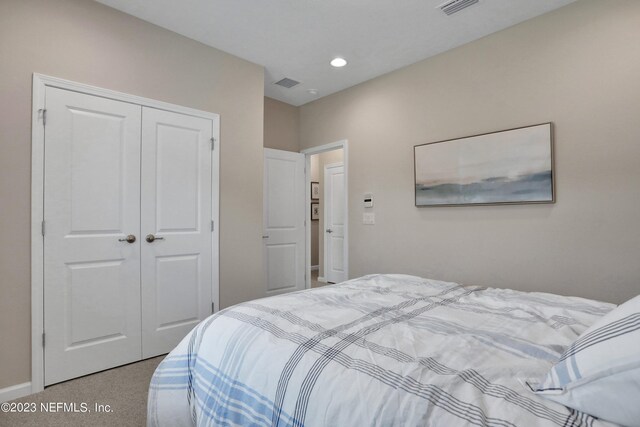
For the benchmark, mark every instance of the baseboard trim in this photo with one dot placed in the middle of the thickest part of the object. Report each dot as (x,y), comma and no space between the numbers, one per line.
(15,392)
(315,267)
(322,279)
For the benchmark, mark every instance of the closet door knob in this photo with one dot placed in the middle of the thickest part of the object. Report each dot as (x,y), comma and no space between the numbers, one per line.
(151,238)
(129,239)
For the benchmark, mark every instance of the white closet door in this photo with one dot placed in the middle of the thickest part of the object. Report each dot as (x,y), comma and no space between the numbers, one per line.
(284,211)
(176,227)
(334,223)
(92,275)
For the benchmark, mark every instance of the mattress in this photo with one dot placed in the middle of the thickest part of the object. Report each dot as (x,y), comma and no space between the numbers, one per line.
(380,350)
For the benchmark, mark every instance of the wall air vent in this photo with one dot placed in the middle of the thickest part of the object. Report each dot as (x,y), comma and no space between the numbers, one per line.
(287,82)
(453,6)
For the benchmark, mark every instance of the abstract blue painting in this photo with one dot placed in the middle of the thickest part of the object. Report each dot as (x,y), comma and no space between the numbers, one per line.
(511,166)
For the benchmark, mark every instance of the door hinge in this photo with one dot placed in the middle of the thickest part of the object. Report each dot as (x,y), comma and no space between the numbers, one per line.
(213,144)
(213,306)
(212,225)
(43,335)
(43,111)
(42,228)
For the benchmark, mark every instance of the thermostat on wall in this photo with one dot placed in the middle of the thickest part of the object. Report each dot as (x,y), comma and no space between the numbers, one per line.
(368,200)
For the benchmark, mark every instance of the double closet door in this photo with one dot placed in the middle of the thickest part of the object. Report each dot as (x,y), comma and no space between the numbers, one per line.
(128,231)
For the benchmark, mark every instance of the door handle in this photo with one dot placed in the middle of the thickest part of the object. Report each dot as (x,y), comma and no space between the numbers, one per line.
(329,230)
(129,239)
(151,238)
(265,237)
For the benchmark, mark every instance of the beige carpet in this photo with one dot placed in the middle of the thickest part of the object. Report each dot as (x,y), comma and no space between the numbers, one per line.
(124,389)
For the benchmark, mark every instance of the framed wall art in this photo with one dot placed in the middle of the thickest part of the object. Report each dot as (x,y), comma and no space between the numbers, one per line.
(505,167)
(315,190)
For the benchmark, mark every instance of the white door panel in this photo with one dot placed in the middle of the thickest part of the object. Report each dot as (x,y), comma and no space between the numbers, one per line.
(337,256)
(334,222)
(176,211)
(92,193)
(112,170)
(284,212)
(282,270)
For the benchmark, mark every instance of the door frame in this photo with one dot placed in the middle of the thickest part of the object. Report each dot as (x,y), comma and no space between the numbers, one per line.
(40,83)
(344,144)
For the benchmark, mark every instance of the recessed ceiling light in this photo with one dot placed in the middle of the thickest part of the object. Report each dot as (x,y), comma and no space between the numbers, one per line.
(312,91)
(338,62)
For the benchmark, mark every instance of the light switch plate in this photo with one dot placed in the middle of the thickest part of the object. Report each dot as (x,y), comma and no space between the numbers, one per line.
(368,218)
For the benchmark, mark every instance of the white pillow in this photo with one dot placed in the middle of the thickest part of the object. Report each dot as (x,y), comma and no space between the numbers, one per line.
(599,374)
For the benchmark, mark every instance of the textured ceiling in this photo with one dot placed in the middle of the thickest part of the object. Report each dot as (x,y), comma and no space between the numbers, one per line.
(298,38)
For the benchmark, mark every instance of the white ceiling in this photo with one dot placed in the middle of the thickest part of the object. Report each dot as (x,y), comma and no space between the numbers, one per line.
(298,38)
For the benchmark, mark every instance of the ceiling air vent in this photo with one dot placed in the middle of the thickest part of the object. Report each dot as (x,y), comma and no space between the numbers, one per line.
(287,82)
(453,6)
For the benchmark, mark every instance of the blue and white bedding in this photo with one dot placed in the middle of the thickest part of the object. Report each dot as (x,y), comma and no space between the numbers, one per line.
(383,350)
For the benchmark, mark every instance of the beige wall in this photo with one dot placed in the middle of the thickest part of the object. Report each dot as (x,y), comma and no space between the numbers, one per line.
(577,67)
(86,42)
(281,125)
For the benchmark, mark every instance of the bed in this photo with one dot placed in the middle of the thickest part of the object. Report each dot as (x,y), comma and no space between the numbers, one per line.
(380,350)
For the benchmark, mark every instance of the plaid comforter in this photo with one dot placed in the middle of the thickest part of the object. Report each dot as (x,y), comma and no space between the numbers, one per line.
(383,350)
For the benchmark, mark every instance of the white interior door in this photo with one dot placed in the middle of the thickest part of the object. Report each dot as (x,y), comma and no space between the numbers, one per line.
(334,220)
(91,205)
(176,227)
(284,221)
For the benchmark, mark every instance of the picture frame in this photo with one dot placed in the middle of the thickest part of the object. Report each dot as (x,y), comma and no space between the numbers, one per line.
(315,190)
(513,166)
(315,211)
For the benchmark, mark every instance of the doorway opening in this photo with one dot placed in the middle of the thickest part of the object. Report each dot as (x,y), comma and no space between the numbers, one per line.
(327,214)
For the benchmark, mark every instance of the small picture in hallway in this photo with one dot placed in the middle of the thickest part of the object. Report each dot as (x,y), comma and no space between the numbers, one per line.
(512,166)
(315,191)
(315,211)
